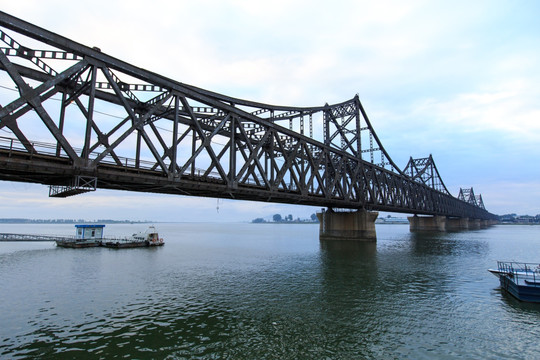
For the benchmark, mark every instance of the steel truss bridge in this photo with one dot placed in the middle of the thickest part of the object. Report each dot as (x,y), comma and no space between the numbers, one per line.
(76,119)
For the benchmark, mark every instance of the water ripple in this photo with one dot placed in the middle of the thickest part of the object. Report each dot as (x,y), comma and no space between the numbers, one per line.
(231,297)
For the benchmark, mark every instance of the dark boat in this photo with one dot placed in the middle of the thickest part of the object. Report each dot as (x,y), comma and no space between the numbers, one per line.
(76,244)
(148,238)
(521,280)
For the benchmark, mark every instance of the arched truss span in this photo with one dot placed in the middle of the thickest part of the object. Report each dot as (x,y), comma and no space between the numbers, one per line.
(78,119)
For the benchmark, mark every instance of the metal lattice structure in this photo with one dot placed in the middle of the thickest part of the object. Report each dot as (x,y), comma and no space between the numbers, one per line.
(425,171)
(77,119)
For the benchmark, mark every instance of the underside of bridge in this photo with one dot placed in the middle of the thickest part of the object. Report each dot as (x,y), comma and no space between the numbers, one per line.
(78,120)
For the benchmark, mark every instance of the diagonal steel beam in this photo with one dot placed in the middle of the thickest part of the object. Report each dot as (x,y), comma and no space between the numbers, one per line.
(205,140)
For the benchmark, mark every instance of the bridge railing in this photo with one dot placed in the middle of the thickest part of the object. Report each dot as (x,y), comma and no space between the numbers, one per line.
(12,146)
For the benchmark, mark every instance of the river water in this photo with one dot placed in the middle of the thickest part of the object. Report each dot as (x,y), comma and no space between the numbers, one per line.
(267,291)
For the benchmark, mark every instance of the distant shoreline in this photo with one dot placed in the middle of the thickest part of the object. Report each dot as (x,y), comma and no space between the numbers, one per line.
(71,221)
(518,223)
(285,222)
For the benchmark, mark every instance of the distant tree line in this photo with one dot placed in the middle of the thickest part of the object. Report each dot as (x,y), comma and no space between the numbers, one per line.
(277,218)
(69,221)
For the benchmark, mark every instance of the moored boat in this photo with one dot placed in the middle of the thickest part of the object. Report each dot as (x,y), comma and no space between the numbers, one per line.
(150,237)
(521,280)
(85,236)
(92,236)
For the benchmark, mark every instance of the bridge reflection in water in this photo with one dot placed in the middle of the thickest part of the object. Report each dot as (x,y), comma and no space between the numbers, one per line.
(79,119)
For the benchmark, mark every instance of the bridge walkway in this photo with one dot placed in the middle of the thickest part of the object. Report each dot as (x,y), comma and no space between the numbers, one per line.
(34,237)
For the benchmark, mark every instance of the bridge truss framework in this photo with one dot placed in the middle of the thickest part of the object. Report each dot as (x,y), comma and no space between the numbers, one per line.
(78,119)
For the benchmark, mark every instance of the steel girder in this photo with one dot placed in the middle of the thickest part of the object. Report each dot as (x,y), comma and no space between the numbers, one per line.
(77,113)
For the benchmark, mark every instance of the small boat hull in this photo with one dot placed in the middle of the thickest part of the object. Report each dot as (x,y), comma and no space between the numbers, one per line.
(528,293)
(77,244)
(129,244)
(520,280)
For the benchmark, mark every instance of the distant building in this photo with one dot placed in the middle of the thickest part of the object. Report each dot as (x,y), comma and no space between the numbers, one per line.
(526,219)
(508,218)
(391,220)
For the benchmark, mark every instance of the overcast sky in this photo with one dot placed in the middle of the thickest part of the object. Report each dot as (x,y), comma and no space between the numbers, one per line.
(455,79)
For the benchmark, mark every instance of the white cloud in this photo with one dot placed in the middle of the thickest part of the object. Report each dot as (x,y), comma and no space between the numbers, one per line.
(510,109)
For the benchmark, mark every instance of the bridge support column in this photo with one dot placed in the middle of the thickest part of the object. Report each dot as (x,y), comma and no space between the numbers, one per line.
(356,226)
(427,223)
(456,224)
(474,224)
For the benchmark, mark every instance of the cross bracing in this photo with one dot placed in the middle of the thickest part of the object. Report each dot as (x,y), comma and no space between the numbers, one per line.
(425,171)
(78,119)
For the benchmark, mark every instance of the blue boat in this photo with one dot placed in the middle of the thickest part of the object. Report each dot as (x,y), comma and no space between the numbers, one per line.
(522,280)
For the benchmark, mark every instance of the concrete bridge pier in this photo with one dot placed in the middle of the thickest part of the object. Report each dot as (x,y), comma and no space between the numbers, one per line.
(352,226)
(427,223)
(442,223)
(456,224)
(475,224)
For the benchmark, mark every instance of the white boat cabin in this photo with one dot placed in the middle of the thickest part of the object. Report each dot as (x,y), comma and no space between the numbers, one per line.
(150,234)
(87,232)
